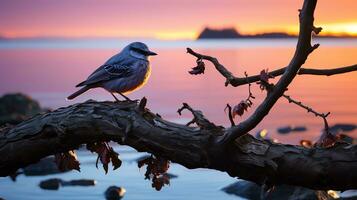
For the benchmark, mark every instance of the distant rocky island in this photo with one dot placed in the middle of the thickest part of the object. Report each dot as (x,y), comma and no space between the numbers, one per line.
(232,33)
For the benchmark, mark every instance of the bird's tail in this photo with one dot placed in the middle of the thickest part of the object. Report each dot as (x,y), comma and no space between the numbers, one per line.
(79,92)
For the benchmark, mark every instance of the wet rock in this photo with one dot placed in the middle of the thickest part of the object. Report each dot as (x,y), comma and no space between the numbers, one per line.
(51,184)
(346,138)
(342,128)
(250,190)
(44,167)
(14,108)
(55,183)
(289,129)
(284,130)
(79,182)
(114,193)
(299,129)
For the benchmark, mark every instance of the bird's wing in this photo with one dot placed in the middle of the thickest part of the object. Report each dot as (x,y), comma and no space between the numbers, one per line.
(106,73)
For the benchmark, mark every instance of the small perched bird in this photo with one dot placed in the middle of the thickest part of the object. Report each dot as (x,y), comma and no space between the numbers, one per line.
(122,73)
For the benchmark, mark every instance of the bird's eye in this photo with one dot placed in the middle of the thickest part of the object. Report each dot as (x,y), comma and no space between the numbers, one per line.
(139,50)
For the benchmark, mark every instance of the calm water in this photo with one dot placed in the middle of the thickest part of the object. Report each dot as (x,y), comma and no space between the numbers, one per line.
(48,70)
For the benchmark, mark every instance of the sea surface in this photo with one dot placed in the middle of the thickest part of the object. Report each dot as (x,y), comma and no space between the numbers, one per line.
(48,70)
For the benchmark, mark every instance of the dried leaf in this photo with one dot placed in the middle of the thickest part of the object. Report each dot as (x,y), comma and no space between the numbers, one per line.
(67,161)
(265,76)
(264,79)
(199,69)
(114,157)
(240,108)
(326,139)
(156,171)
(316,30)
(144,161)
(159,182)
(106,154)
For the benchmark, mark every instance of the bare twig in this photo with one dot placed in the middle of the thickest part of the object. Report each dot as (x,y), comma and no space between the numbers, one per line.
(309,109)
(220,68)
(237,81)
(198,118)
(230,116)
(250,94)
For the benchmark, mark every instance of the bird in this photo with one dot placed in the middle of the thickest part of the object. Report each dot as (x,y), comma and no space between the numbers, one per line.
(124,72)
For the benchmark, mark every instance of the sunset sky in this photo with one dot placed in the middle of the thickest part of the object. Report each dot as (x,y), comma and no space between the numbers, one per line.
(165,19)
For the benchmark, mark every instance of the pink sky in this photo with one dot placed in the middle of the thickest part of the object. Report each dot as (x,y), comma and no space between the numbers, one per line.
(165,19)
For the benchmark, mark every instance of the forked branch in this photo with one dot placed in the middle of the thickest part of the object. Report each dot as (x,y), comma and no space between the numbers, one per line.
(303,49)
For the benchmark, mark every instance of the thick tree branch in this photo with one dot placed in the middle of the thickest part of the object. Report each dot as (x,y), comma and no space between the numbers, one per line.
(238,81)
(247,158)
(303,49)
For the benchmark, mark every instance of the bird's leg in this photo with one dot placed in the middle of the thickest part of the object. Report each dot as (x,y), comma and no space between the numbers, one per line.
(125,97)
(116,99)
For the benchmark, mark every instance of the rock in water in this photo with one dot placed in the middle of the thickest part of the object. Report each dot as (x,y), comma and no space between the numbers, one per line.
(51,184)
(79,182)
(250,190)
(14,108)
(284,130)
(289,129)
(299,129)
(44,167)
(55,183)
(114,193)
(342,127)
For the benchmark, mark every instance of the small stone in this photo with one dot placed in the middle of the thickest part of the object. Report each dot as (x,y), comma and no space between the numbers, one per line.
(45,166)
(342,127)
(51,184)
(299,129)
(114,193)
(79,182)
(289,129)
(284,130)
(250,190)
(14,108)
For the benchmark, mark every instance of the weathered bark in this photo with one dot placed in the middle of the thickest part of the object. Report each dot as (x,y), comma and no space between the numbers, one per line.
(247,158)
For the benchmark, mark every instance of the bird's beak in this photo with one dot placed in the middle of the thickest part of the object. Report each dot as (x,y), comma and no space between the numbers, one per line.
(150,53)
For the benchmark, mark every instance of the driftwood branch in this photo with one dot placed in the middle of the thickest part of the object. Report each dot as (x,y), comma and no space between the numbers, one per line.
(247,158)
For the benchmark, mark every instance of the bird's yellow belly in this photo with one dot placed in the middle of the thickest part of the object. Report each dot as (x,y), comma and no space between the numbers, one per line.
(140,82)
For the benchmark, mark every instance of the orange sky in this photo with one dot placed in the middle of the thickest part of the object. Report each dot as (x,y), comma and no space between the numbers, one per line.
(164,19)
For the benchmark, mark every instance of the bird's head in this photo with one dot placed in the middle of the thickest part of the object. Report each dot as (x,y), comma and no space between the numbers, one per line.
(140,50)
